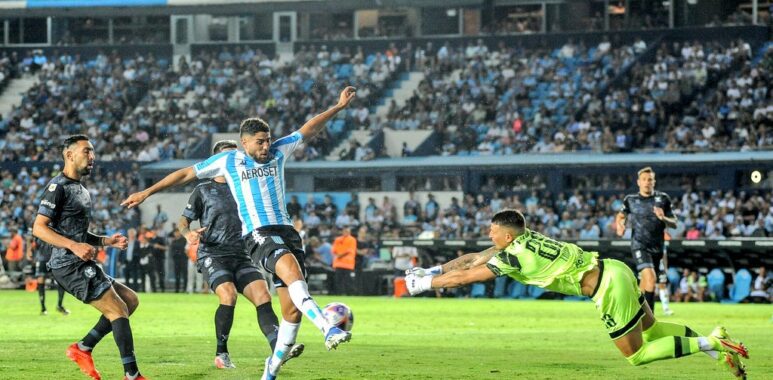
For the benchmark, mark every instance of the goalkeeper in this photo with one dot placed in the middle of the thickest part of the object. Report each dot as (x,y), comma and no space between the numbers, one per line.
(534,259)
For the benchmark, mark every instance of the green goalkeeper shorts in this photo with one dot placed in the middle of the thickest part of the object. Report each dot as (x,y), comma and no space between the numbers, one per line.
(618,298)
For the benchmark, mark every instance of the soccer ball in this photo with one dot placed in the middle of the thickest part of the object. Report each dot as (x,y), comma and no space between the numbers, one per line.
(339,315)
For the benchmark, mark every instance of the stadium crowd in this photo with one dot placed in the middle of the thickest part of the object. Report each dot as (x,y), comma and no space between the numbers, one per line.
(484,102)
(506,100)
(143,109)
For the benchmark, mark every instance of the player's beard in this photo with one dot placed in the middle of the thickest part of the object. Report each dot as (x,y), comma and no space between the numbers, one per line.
(86,170)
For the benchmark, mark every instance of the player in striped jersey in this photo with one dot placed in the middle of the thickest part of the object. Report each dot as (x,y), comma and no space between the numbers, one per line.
(255,178)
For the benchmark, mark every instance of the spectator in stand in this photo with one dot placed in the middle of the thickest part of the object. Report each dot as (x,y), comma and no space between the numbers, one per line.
(761,289)
(344,256)
(14,254)
(180,260)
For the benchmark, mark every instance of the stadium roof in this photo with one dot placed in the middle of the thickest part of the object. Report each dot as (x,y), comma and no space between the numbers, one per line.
(524,160)
(64,8)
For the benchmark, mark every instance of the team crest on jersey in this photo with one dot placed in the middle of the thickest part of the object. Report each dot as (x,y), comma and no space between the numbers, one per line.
(89,272)
(207,262)
(52,187)
(258,238)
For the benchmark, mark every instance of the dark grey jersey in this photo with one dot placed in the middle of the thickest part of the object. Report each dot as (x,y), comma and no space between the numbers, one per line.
(68,204)
(646,229)
(213,206)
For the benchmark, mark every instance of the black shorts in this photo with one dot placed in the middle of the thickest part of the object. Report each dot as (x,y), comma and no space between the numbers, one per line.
(41,269)
(647,259)
(85,280)
(268,244)
(239,270)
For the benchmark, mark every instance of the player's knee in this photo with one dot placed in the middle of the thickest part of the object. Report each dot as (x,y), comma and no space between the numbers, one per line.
(261,297)
(227,294)
(132,303)
(291,314)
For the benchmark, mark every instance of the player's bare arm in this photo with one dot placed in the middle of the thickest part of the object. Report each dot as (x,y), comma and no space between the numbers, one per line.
(620,224)
(317,123)
(179,177)
(470,260)
(42,231)
(660,214)
(457,278)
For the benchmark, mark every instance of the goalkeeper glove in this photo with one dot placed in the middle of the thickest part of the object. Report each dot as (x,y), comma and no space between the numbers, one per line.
(417,284)
(421,272)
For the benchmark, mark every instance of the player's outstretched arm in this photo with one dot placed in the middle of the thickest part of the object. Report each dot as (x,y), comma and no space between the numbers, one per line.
(453,279)
(470,260)
(179,177)
(317,123)
(42,231)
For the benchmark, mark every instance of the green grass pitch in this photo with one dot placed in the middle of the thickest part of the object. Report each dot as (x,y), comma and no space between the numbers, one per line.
(420,338)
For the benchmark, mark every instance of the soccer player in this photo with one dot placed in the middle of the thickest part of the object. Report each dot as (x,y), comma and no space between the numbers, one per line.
(222,255)
(532,258)
(649,213)
(41,255)
(62,223)
(256,180)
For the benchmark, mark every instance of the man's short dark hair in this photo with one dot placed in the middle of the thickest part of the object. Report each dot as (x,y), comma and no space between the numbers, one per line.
(510,218)
(223,145)
(252,126)
(68,142)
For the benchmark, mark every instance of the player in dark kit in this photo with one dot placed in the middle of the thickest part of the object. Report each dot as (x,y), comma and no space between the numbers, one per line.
(62,223)
(223,256)
(41,255)
(649,213)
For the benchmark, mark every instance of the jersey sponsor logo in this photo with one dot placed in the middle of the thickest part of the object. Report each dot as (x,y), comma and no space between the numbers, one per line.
(248,174)
(207,262)
(47,204)
(89,272)
(188,206)
(52,187)
(637,254)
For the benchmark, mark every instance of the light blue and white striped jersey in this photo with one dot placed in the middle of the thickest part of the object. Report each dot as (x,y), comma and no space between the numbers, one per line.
(259,189)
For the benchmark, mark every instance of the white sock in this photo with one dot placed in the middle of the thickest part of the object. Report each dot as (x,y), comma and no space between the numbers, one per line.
(285,339)
(707,347)
(299,293)
(664,298)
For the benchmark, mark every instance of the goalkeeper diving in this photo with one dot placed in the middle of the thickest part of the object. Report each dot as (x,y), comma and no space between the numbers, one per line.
(534,259)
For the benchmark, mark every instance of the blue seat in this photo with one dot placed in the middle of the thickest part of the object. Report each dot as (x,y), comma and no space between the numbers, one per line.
(535,292)
(478,290)
(741,287)
(716,282)
(673,279)
(500,286)
(516,290)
